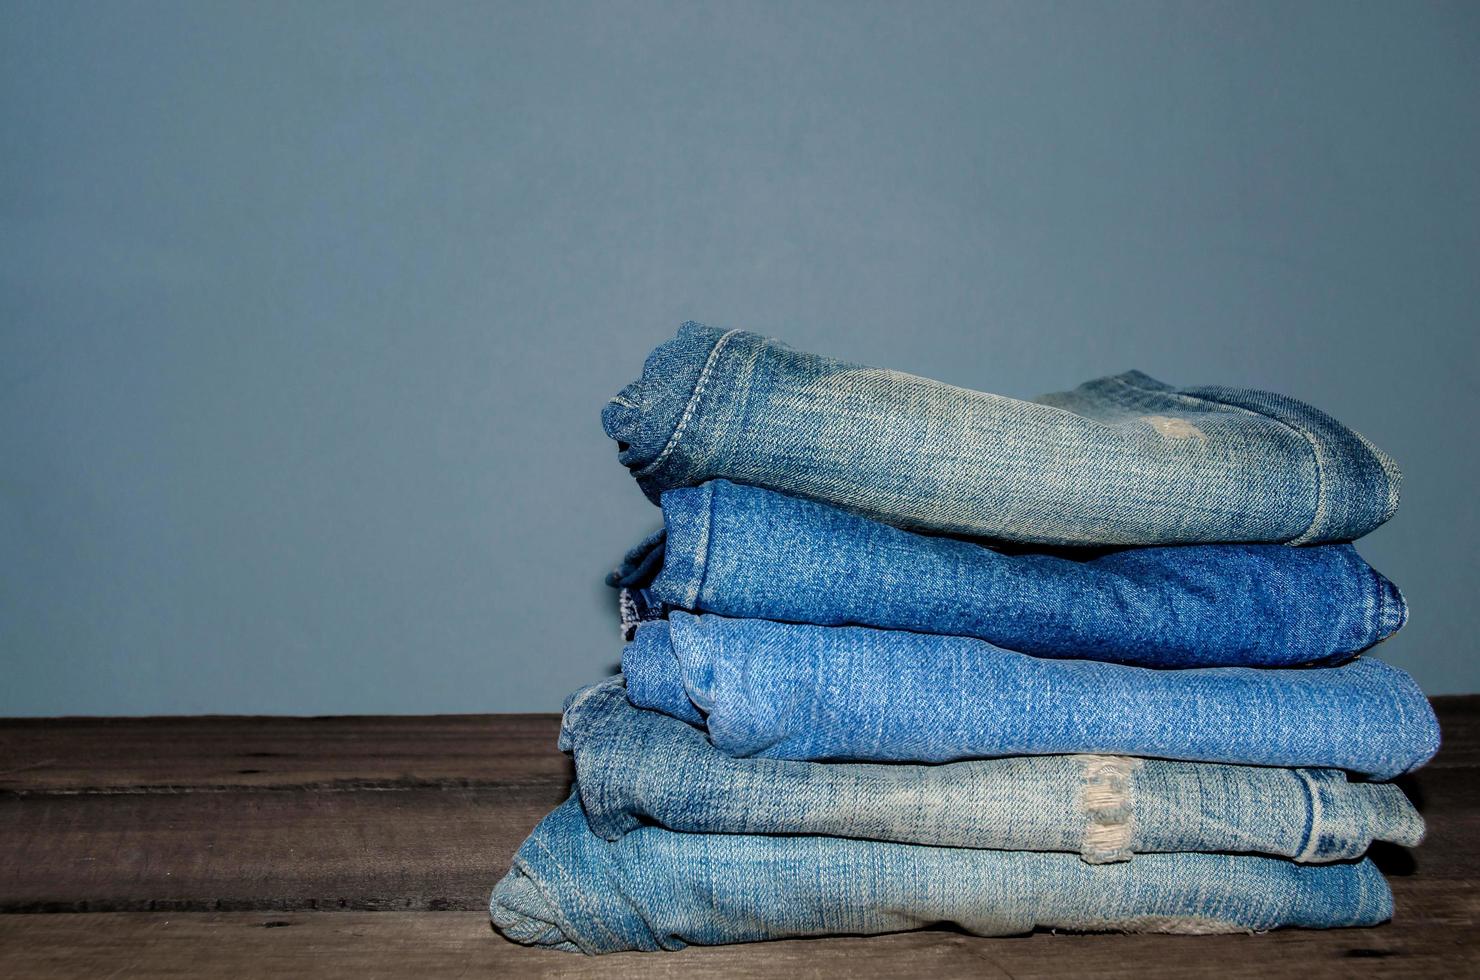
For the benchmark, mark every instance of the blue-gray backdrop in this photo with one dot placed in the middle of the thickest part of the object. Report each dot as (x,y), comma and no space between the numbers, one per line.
(307,311)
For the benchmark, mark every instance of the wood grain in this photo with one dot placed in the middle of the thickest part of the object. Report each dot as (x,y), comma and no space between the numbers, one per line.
(221,845)
(136,755)
(373,945)
(415,849)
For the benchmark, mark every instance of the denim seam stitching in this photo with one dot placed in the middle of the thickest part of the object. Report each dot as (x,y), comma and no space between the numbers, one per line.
(1391,506)
(1380,602)
(1364,891)
(1308,847)
(691,407)
(1320,512)
(702,551)
(1373,604)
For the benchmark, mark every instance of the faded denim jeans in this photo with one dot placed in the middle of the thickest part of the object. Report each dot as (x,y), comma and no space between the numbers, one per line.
(786,691)
(1122,460)
(636,768)
(746,552)
(656,889)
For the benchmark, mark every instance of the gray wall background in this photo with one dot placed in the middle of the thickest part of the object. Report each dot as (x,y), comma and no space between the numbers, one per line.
(307,311)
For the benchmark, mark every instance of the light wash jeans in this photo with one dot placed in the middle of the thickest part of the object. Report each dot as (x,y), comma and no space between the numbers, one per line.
(787,691)
(746,552)
(655,889)
(636,768)
(1122,460)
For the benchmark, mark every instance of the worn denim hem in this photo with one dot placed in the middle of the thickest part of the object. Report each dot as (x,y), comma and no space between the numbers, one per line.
(698,424)
(578,705)
(651,417)
(1344,824)
(1398,821)
(691,407)
(1366,884)
(579,888)
(1352,473)
(644,417)
(1384,611)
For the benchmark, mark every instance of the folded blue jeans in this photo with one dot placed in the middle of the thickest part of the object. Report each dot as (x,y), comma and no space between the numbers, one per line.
(1122,460)
(655,889)
(751,553)
(636,768)
(786,691)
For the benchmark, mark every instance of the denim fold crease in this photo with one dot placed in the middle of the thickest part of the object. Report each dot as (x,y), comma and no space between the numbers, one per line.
(751,553)
(822,693)
(1125,460)
(636,768)
(656,889)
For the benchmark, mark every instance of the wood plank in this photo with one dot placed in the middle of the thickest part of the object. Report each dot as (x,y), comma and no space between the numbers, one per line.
(415,849)
(393,945)
(155,754)
(411,831)
(1459,724)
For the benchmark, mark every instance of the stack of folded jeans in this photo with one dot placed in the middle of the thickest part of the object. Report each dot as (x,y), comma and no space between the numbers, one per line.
(906,653)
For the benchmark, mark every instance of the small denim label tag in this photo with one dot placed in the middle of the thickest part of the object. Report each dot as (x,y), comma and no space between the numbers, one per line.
(638,606)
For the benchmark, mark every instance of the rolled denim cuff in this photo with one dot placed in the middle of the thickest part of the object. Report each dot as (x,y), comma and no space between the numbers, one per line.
(656,419)
(1359,484)
(643,415)
(563,892)
(1342,816)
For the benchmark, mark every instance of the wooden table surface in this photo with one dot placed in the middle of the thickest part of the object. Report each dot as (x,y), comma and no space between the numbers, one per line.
(367,846)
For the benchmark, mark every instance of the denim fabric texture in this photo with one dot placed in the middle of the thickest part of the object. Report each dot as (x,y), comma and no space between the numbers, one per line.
(746,552)
(1103,808)
(786,691)
(655,889)
(905,653)
(1125,460)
